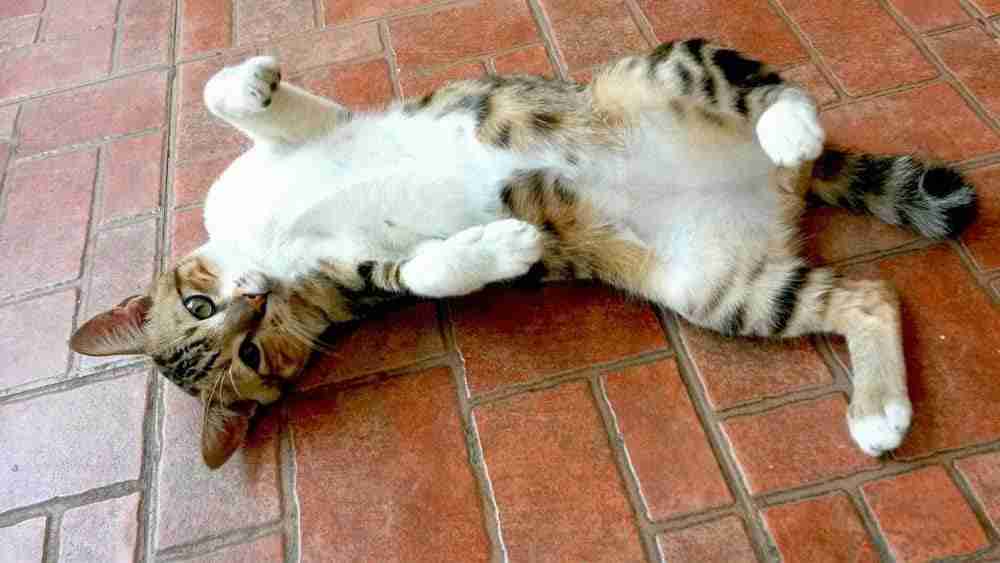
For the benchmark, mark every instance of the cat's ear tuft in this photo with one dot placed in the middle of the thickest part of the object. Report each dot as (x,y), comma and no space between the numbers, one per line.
(224,430)
(119,330)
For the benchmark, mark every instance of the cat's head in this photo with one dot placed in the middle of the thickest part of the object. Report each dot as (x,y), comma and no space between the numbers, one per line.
(233,345)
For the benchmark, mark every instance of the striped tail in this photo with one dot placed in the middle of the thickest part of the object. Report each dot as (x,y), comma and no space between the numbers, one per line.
(932,199)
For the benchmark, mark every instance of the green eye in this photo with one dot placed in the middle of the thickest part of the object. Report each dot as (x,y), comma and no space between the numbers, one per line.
(200,306)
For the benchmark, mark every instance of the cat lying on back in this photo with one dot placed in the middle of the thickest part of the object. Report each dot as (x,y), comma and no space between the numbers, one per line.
(678,176)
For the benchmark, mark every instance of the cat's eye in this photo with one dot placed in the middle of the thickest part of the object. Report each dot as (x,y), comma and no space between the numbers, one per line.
(200,306)
(250,354)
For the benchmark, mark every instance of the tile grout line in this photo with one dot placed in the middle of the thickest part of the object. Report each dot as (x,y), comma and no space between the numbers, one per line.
(116,35)
(974,502)
(290,506)
(52,541)
(868,521)
(642,22)
(389,55)
(145,548)
(319,14)
(548,39)
(815,56)
(60,504)
(213,544)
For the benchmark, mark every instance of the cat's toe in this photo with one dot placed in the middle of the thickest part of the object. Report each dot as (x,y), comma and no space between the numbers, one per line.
(880,429)
(244,89)
(790,133)
(515,245)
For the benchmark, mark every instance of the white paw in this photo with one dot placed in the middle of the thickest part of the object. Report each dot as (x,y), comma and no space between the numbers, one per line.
(513,246)
(789,131)
(243,89)
(880,428)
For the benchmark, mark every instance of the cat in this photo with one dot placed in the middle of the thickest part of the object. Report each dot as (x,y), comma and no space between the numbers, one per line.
(678,176)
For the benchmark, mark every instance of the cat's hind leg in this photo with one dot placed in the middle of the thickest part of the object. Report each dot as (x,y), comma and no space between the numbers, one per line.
(252,98)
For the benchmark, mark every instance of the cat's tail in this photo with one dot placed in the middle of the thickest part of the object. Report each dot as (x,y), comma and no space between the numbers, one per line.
(933,199)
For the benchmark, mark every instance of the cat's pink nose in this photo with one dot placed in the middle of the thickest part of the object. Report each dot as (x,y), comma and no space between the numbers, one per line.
(258,301)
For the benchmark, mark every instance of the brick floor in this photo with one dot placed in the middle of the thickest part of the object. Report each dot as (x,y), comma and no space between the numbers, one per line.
(563,423)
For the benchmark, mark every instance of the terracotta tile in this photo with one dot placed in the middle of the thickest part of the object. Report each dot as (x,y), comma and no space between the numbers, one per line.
(196,502)
(103,531)
(589,33)
(509,335)
(983,236)
(193,179)
(29,327)
(721,541)
(264,550)
(146,32)
(383,470)
(132,175)
(5,153)
(67,18)
(192,77)
(55,64)
(117,107)
(8,115)
(740,370)
(831,234)
(39,250)
(342,11)
(188,234)
(260,20)
(967,53)
(530,60)
(810,78)
(71,442)
(814,445)
(205,25)
(927,15)
(419,82)
(24,541)
(468,30)
(12,8)
(988,7)
(923,516)
(871,54)
(326,47)
(124,263)
(825,528)
(747,25)
(983,474)
(18,32)
(396,339)
(557,489)
(655,416)
(930,119)
(361,85)
(200,135)
(950,367)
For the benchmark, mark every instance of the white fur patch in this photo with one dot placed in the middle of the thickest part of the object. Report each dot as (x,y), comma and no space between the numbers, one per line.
(790,132)
(244,89)
(876,434)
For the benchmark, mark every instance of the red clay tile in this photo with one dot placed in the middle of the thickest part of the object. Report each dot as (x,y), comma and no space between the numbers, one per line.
(205,25)
(117,107)
(983,474)
(814,445)
(420,82)
(12,8)
(740,370)
(200,135)
(8,115)
(951,368)
(103,531)
(654,415)
(24,541)
(983,236)
(35,249)
(30,327)
(18,32)
(988,7)
(589,33)
(67,18)
(831,234)
(747,25)
(810,78)
(196,502)
(55,64)
(342,11)
(358,85)
(923,516)
(967,53)
(820,529)
(193,179)
(326,47)
(927,15)
(869,55)
(557,489)
(71,442)
(146,31)
(192,77)
(509,335)
(132,176)
(366,486)
(264,550)
(188,234)
(930,119)
(721,541)
(530,60)
(5,151)
(396,339)
(464,31)
(260,20)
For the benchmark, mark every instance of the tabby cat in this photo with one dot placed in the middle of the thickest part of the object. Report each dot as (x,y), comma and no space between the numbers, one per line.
(678,176)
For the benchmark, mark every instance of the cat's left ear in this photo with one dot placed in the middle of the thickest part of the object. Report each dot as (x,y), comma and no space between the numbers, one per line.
(119,330)
(224,430)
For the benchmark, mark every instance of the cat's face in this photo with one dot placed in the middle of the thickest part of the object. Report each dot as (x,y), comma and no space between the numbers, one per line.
(231,344)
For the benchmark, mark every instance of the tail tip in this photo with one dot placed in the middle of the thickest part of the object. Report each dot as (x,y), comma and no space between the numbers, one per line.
(953,197)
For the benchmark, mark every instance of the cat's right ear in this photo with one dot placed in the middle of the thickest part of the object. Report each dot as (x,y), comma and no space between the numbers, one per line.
(116,331)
